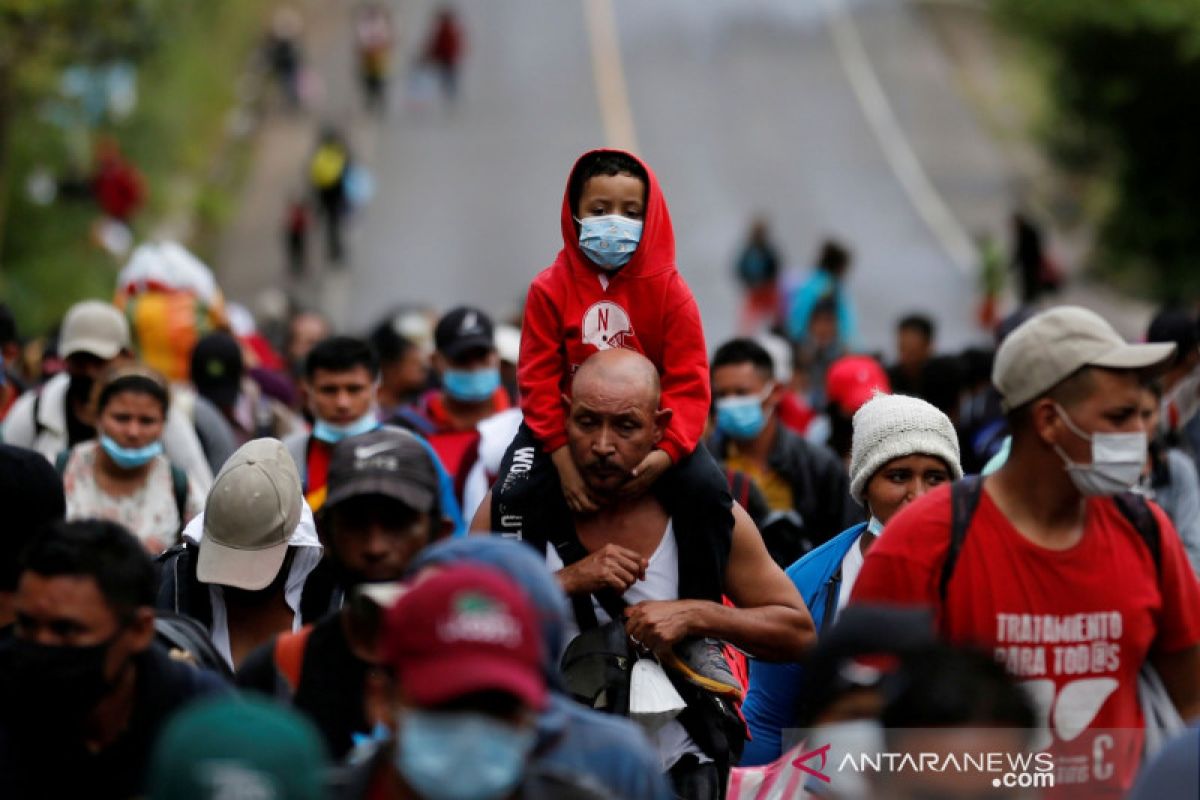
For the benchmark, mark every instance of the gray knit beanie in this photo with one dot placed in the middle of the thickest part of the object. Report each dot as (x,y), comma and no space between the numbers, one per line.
(890,426)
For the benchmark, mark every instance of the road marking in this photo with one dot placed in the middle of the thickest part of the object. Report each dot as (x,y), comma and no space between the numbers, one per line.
(896,149)
(609,74)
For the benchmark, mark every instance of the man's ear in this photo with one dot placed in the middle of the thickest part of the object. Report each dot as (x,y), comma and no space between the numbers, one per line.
(1044,419)
(662,418)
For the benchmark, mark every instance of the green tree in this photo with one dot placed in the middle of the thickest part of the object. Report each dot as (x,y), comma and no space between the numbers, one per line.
(1123,76)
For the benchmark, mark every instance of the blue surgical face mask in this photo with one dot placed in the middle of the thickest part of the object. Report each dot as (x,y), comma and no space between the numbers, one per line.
(742,417)
(129,457)
(471,385)
(609,241)
(332,434)
(461,756)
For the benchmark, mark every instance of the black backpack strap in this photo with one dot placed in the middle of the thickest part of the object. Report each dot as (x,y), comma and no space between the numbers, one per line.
(571,551)
(179,489)
(1135,509)
(964,499)
(60,462)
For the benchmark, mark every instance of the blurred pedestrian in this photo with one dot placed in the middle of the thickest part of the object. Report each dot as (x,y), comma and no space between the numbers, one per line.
(827,282)
(850,383)
(903,448)
(403,369)
(327,171)
(123,475)
(84,689)
(444,51)
(1052,554)
(12,384)
(1038,273)
(1181,380)
(218,372)
(57,416)
(757,270)
(238,749)
(297,221)
(119,187)
(915,345)
(373,38)
(1169,477)
(284,54)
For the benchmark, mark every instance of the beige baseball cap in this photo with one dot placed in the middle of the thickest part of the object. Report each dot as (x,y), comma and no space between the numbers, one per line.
(95,327)
(251,512)
(1050,346)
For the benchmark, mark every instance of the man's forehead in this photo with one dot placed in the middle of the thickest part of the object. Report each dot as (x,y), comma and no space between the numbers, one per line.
(76,596)
(356,374)
(611,403)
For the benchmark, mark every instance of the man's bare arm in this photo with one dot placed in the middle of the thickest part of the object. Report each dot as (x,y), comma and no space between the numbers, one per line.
(1180,673)
(771,621)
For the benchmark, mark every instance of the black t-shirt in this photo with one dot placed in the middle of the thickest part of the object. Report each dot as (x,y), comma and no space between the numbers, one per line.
(331,687)
(54,762)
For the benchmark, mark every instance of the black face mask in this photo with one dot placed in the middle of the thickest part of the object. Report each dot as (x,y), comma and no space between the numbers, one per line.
(54,684)
(79,390)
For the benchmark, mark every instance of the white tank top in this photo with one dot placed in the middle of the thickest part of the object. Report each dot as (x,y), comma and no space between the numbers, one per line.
(661,583)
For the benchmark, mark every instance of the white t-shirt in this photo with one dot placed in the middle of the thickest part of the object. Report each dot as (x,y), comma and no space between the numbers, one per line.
(149,512)
(661,583)
(851,566)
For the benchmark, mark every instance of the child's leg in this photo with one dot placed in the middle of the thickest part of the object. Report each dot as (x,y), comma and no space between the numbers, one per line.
(697,481)
(527,476)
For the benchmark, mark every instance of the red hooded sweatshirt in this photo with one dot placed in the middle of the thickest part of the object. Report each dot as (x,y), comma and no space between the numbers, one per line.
(571,313)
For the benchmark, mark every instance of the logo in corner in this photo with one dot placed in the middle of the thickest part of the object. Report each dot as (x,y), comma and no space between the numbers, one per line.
(606,326)
(823,752)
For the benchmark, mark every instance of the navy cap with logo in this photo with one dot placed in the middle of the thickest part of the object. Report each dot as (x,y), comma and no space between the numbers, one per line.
(387,461)
(462,330)
(217,367)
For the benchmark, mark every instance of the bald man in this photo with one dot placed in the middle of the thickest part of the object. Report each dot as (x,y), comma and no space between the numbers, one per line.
(664,574)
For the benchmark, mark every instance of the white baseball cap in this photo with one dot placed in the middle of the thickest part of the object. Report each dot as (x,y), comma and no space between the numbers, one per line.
(94,327)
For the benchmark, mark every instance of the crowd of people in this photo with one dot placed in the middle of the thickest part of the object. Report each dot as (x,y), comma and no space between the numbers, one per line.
(583,554)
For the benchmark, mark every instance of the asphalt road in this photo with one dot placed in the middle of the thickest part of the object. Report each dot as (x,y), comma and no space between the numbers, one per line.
(753,106)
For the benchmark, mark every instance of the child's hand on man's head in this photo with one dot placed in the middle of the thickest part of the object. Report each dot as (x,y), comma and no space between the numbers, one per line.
(647,472)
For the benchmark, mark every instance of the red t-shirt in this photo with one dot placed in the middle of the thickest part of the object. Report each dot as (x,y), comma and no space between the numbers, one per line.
(1074,626)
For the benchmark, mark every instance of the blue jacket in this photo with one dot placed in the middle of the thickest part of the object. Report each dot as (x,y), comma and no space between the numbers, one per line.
(775,688)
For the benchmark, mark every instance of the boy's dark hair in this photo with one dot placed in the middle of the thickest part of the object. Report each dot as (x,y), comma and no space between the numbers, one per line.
(918,323)
(102,550)
(341,354)
(952,686)
(834,257)
(744,351)
(602,162)
(389,346)
(31,492)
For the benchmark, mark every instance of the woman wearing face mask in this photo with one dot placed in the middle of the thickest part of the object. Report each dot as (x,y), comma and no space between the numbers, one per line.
(902,448)
(1169,477)
(123,475)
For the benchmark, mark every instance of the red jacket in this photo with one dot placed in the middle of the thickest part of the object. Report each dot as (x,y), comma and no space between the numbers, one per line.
(647,307)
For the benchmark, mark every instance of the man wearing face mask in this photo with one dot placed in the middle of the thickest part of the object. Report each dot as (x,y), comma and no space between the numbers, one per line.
(84,691)
(55,418)
(467,685)
(468,365)
(341,381)
(1050,563)
(804,484)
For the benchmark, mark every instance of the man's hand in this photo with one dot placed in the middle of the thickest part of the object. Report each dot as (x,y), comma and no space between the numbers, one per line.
(611,567)
(579,498)
(660,624)
(646,473)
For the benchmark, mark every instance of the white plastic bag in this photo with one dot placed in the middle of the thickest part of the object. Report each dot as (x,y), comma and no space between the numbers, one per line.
(653,701)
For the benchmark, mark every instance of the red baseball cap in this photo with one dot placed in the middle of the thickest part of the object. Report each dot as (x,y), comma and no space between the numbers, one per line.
(464,629)
(853,380)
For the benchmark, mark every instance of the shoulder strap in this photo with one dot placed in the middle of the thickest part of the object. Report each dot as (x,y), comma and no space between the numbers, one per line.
(60,461)
(964,499)
(739,486)
(570,551)
(1139,514)
(179,488)
(289,656)
(38,427)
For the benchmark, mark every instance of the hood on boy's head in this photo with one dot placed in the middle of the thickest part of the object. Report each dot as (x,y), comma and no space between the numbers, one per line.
(655,252)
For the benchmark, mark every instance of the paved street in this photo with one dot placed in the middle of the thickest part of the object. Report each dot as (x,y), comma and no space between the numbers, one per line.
(740,107)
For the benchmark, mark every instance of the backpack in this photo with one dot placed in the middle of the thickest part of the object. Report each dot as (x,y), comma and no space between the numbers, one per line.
(179,484)
(186,640)
(964,499)
(288,658)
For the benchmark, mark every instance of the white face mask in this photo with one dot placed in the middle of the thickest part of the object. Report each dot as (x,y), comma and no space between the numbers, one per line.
(1117,461)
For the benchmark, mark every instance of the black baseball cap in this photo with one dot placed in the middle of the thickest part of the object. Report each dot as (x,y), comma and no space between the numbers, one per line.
(387,461)
(462,330)
(217,368)
(1175,325)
